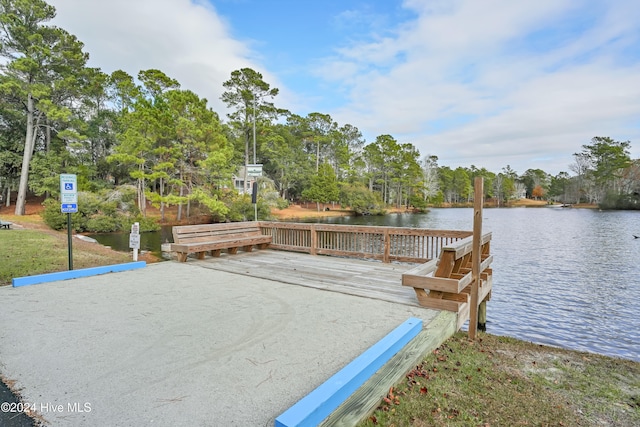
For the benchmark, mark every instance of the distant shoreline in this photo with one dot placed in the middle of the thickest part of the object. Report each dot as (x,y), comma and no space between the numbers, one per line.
(309,210)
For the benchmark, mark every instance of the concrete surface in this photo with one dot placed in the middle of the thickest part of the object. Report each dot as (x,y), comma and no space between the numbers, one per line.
(176,344)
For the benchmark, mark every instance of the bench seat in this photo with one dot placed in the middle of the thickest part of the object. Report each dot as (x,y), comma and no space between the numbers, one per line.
(203,238)
(445,283)
(455,283)
(5,224)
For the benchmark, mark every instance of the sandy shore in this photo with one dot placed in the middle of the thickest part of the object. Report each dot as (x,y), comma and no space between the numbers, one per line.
(301,211)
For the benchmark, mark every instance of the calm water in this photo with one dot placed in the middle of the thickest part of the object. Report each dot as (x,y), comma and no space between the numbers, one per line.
(148,241)
(564,277)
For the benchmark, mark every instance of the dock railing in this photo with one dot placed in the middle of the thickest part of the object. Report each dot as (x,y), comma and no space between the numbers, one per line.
(382,243)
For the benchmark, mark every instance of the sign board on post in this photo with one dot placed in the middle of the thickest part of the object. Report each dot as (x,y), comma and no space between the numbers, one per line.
(134,239)
(68,193)
(254,171)
(69,205)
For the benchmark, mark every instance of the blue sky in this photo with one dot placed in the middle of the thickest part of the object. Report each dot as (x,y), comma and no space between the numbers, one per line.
(488,83)
(295,39)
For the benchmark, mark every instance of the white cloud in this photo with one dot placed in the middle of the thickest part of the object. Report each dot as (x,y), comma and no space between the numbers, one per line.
(187,41)
(470,88)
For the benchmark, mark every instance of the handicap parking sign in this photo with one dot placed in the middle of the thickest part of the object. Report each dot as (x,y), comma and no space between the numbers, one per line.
(68,193)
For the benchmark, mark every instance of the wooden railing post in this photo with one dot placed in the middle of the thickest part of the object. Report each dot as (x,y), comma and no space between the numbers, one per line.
(387,247)
(314,240)
(476,256)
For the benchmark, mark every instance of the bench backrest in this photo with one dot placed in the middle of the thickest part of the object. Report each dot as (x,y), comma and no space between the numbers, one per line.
(456,257)
(465,246)
(212,232)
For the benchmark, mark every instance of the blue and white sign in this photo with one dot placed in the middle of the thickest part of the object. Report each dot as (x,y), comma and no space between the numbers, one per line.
(68,193)
(69,207)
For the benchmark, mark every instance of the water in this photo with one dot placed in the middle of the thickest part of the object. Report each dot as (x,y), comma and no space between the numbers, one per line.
(148,241)
(563,277)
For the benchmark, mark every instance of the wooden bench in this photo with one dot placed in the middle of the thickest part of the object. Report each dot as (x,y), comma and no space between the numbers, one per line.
(444,283)
(200,239)
(5,224)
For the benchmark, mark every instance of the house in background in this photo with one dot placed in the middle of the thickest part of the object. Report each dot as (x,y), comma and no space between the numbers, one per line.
(252,173)
(238,180)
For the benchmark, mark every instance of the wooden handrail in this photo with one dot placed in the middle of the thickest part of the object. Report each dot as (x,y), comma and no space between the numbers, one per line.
(383,243)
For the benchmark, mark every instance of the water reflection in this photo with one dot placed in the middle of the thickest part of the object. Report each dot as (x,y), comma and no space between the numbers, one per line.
(148,241)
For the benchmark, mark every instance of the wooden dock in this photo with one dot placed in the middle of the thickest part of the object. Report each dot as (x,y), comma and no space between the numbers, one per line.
(452,279)
(366,261)
(364,278)
(358,277)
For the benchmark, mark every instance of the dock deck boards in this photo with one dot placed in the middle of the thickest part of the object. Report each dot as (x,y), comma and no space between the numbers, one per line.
(364,278)
(356,277)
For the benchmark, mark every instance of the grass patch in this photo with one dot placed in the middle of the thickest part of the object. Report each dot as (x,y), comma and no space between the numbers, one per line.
(499,381)
(27,252)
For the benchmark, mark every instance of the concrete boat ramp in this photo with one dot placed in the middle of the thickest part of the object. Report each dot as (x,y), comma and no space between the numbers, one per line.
(189,344)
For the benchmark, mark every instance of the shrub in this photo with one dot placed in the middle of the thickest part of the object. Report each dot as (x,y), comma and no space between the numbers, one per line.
(217,208)
(621,201)
(52,215)
(272,198)
(361,199)
(146,224)
(125,198)
(282,203)
(103,224)
(241,209)
(418,203)
(107,211)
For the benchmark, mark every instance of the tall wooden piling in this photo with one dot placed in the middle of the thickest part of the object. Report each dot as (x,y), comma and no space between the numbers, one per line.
(476,255)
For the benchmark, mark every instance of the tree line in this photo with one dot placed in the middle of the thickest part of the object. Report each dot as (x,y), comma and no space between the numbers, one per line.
(168,148)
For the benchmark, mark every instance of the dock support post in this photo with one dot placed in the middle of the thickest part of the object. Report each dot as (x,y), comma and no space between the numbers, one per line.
(482,316)
(476,256)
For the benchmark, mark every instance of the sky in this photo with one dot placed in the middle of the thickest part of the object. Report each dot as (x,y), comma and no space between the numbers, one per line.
(486,83)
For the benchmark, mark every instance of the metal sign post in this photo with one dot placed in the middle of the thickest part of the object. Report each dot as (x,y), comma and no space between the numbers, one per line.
(254,198)
(69,205)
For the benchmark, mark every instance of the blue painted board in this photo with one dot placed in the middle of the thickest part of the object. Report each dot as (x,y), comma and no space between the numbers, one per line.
(321,402)
(74,274)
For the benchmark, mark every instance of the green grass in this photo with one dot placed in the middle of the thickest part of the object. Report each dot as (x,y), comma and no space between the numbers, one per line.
(25,252)
(498,381)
